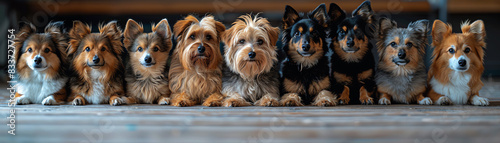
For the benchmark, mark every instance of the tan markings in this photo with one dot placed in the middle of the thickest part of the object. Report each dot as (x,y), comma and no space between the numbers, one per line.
(364,96)
(344,28)
(366,74)
(355,27)
(311,29)
(214,100)
(293,87)
(291,99)
(344,97)
(182,100)
(343,78)
(325,98)
(268,101)
(301,29)
(316,86)
(236,101)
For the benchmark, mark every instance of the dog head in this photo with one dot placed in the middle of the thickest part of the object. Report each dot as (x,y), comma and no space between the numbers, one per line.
(304,35)
(198,42)
(250,46)
(402,48)
(41,52)
(99,52)
(148,51)
(459,51)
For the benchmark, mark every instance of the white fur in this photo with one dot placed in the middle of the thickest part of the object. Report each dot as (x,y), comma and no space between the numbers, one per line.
(97,94)
(425,101)
(49,100)
(479,101)
(31,63)
(36,88)
(453,63)
(456,89)
(384,101)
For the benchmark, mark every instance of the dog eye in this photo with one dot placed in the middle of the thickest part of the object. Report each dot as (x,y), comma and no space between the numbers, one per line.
(139,49)
(103,49)
(451,50)
(30,50)
(297,34)
(242,41)
(209,37)
(342,33)
(260,42)
(46,50)
(467,50)
(87,49)
(393,44)
(192,37)
(409,45)
(155,49)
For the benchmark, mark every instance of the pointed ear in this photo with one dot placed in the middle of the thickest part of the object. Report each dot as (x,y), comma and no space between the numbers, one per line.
(76,34)
(181,25)
(25,29)
(420,27)
(385,25)
(335,13)
(440,31)
(163,29)
(57,33)
(319,14)
(132,30)
(364,10)
(273,33)
(477,28)
(290,17)
(114,34)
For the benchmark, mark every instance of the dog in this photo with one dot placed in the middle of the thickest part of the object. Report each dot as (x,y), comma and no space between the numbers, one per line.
(41,64)
(401,74)
(97,65)
(457,64)
(147,70)
(250,74)
(305,71)
(353,63)
(195,72)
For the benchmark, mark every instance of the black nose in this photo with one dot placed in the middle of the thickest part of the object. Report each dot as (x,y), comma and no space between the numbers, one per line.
(401,54)
(148,59)
(349,42)
(38,60)
(201,49)
(462,63)
(306,47)
(252,54)
(96,59)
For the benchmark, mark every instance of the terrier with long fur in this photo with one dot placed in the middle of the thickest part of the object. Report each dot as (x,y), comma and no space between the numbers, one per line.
(97,65)
(195,72)
(251,73)
(401,74)
(147,70)
(305,70)
(41,65)
(457,64)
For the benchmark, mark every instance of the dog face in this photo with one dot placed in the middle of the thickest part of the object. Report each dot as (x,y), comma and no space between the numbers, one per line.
(198,42)
(402,49)
(305,35)
(148,50)
(250,46)
(353,34)
(96,51)
(459,51)
(40,52)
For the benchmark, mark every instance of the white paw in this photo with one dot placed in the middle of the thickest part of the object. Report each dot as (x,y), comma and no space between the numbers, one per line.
(480,101)
(22,100)
(425,101)
(116,102)
(443,100)
(49,100)
(164,101)
(384,101)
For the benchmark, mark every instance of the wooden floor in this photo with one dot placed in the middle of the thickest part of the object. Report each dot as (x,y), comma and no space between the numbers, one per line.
(350,123)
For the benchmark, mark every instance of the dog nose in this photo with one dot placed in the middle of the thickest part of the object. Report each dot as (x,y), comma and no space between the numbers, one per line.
(462,63)
(38,60)
(401,54)
(252,54)
(201,49)
(96,59)
(306,47)
(148,59)
(349,42)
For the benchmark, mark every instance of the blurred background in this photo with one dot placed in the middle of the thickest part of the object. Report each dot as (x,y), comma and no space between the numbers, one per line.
(93,12)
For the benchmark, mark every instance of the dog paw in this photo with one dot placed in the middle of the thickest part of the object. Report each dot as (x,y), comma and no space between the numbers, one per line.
(22,100)
(49,100)
(293,99)
(212,103)
(384,101)
(443,100)
(267,101)
(366,101)
(78,101)
(425,101)
(344,101)
(183,103)
(236,102)
(164,101)
(325,102)
(116,102)
(480,101)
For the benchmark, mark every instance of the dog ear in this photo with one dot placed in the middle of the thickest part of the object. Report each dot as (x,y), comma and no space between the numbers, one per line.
(132,30)
(290,17)
(163,29)
(385,24)
(365,10)
(25,30)
(114,34)
(335,13)
(440,31)
(76,34)
(476,28)
(181,25)
(220,28)
(420,27)
(56,31)
(273,33)
(319,14)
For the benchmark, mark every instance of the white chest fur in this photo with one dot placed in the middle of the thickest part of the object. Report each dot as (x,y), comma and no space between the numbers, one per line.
(98,93)
(36,88)
(457,88)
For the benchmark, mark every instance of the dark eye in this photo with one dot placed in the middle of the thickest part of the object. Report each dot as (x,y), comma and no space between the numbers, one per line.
(192,37)
(46,50)
(467,50)
(342,33)
(30,50)
(139,49)
(297,34)
(155,49)
(260,42)
(87,49)
(242,41)
(393,44)
(451,50)
(409,45)
(103,49)
(209,37)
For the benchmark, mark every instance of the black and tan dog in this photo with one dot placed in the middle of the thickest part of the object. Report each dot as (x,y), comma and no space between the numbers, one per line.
(41,64)
(401,76)
(305,71)
(147,70)
(352,61)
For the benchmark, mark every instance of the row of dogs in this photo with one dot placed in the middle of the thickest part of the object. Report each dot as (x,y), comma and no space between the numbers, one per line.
(114,67)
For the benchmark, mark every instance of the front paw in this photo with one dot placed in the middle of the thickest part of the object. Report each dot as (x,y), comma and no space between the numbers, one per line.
(480,101)
(325,102)
(384,101)
(183,103)
(425,101)
(291,99)
(235,102)
(49,100)
(22,100)
(164,101)
(267,101)
(78,101)
(116,102)
(443,100)
(212,103)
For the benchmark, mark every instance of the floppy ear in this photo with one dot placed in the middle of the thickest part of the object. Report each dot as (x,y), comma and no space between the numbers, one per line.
(476,28)
(114,34)
(132,30)
(319,14)
(290,17)
(181,25)
(420,27)
(335,13)
(440,31)
(163,29)
(385,25)
(273,33)
(220,29)
(364,10)
(76,34)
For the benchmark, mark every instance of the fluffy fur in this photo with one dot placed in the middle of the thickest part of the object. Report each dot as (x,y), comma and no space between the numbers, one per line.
(401,74)
(41,64)
(353,63)
(195,72)
(98,71)
(250,73)
(147,70)
(305,71)
(457,64)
